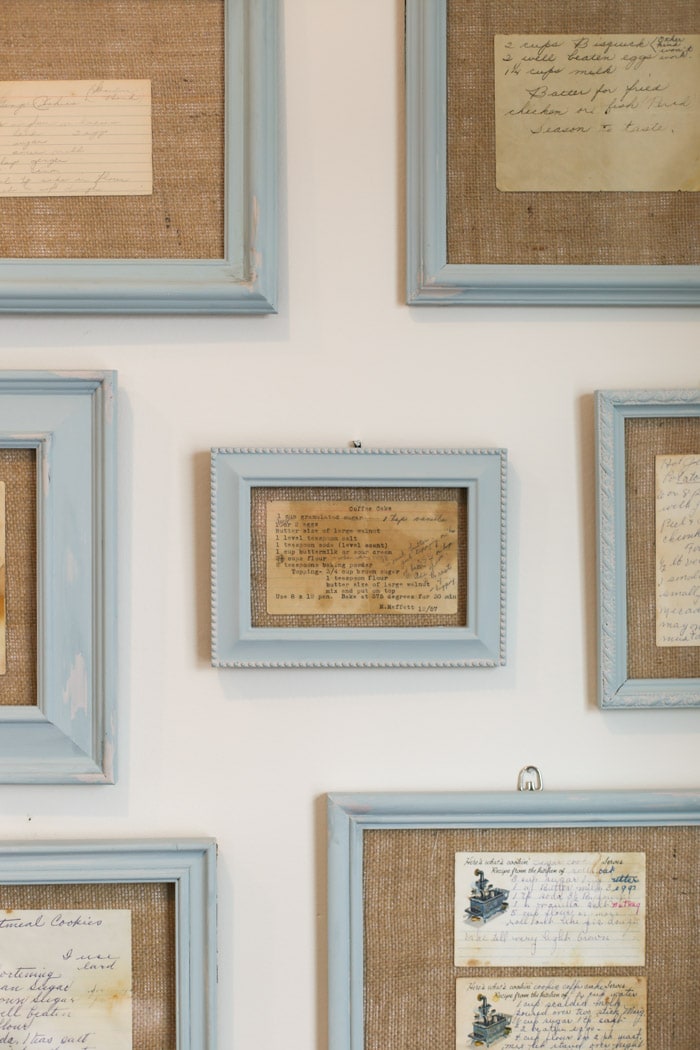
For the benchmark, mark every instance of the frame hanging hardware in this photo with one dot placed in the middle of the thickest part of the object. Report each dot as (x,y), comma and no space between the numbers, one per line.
(529,779)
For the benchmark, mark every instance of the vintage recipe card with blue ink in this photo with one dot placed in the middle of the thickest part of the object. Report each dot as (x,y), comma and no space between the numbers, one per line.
(552,1013)
(550,909)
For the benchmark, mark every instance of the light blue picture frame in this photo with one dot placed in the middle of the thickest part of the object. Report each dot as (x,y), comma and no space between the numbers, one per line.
(349,816)
(237,643)
(615,687)
(245,280)
(189,865)
(69,735)
(431,280)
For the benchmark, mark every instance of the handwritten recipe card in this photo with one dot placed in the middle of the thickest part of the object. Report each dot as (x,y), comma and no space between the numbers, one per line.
(550,909)
(65,979)
(396,557)
(615,112)
(552,1013)
(75,138)
(678,550)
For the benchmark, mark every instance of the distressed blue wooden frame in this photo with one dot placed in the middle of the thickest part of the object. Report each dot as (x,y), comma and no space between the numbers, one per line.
(615,687)
(188,864)
(236,643)
(245,280)
(69,418)
(350,815)
(430,279)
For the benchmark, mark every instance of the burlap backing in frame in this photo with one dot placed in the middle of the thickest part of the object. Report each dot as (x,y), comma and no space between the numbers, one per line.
(18,471)
(485,226)
(153,940)
(644,439)
(179,46)
(409,928)
(259,498)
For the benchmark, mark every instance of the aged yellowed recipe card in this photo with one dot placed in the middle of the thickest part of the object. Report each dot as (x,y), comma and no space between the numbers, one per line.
(613,112)
(552,1013)
(550,909)
(3,584)
(65,979)
(397,557)
(678,550)
(75,138)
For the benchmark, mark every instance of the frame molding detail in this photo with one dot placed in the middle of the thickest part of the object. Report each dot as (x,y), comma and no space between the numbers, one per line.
(68,736)
(245,279)
(431,280)
(614,408)
(188,864)
(238,642)
(351,816)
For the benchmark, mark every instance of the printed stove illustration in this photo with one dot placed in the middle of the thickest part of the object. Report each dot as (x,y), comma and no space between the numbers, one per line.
(486,900)
(489,1025)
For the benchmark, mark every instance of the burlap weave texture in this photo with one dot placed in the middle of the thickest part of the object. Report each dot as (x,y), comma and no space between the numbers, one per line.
(485,226)
(409,928)
(18,471)
(179,46)
(260,497)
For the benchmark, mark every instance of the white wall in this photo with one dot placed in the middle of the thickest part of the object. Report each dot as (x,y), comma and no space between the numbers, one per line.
(245,756)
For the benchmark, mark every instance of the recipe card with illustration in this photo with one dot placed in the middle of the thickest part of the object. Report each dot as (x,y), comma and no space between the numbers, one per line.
(550,909)
(75,138)
(584,112)
(65,979)
(559,1013)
